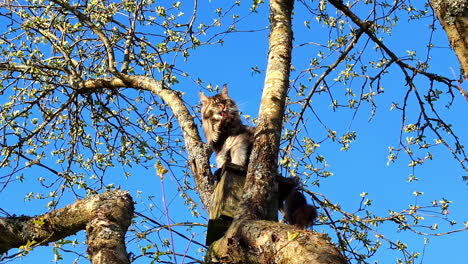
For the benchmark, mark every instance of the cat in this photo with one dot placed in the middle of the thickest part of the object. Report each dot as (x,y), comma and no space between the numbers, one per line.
(230,139)
(232,143)
(297,211)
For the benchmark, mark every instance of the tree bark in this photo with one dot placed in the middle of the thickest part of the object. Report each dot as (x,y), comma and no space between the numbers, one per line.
(257,241)
(105,217)
(453,16)
(262,171)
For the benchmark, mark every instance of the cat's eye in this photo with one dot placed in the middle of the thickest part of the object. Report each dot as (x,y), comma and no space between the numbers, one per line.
(208,114)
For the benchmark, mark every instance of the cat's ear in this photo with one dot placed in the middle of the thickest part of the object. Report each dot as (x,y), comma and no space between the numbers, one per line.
(224,91)
(203,97)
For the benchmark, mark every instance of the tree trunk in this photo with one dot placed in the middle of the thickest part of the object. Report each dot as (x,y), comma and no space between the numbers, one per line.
(257,241)
(105,216)
(453,15)
(262,171)
(249,239)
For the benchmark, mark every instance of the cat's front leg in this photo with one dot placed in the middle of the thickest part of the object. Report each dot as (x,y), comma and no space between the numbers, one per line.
(221,158)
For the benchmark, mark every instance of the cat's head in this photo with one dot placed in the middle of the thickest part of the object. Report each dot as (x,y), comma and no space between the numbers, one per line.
(219,107)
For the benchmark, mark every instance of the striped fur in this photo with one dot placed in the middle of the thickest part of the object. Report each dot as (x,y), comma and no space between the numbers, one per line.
(228,137)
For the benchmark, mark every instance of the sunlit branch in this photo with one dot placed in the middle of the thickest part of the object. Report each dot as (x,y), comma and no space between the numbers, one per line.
(11,149)
(306,101)
(175,231)
(366,26)
(343,227)
(198,159)
(84,19)
(129,43)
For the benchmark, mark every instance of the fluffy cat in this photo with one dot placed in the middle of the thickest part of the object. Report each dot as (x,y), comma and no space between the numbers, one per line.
(228,137)
(232,142)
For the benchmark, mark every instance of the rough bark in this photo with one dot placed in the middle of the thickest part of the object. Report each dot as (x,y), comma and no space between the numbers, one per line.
(257,241)
(261,174)
(106,231)
(105,217)
(453,15)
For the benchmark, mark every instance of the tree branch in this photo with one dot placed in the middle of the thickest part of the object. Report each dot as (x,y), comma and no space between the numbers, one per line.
(105,216)
(367,27)
(85,20)
(198,158)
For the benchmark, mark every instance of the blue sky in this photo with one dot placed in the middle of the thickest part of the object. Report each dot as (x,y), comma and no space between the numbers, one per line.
(362,168)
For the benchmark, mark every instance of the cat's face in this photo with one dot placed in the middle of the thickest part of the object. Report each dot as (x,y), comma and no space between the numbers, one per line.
(219,108)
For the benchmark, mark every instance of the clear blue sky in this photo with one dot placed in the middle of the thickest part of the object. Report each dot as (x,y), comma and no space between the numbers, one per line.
(362,168)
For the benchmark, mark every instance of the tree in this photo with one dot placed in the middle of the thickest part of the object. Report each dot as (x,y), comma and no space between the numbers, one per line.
(453,17)
(97,85)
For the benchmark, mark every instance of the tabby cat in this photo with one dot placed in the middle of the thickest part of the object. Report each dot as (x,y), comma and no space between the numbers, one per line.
(232,142)
(228,137)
